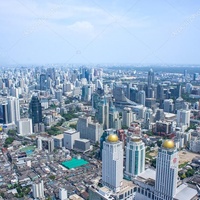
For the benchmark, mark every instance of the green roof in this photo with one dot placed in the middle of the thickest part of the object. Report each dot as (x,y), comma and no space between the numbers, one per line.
(73,163)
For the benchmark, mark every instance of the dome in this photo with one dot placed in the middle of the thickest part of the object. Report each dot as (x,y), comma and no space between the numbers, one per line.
(112,138)
(168,144)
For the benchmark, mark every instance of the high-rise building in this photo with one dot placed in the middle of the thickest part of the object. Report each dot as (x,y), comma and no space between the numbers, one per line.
(69,138)
(58,95)
(4,113)
(127,117)
(43,82)
(135,157)
(166,171)
(13,109)
(141,97)
(38,190)
(150,77)
(103,113)
(183,118)
(35,110)
(112,163)
(86,93)
(168,105)
(24,126)
(114,121)
(88,129)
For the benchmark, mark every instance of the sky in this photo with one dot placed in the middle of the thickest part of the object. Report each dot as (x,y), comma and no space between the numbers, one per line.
(99,31)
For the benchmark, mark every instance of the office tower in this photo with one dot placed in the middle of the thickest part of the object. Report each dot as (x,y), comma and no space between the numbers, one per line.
(88,129)
(135,157)
(160,92)
(185,72)
(4,118)
(127,117)
(38,190)
(141,97)
(58,95)
(112,163)
(62,194)
(35,110)
(14,92)
(166,171)
(51,73)
(168,105)
(159,115)
(114,118)
(195,76)
(69,138)
(13,109)
(102,113)
(86,93)
(134,94)
(43,82)
(188,88)
(96,99)
(150,77)
(25,126)
(183,118)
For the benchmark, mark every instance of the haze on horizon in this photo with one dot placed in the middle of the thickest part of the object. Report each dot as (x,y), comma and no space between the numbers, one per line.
(130,31)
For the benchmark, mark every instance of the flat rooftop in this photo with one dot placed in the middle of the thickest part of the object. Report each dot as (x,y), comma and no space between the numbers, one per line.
(74,163)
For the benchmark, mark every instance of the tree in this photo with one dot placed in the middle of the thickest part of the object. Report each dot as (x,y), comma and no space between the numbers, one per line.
(159,143)
(2,195)
(9,140)
(153,163)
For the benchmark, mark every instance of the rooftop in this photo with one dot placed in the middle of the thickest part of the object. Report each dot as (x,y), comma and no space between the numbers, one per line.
(74,163)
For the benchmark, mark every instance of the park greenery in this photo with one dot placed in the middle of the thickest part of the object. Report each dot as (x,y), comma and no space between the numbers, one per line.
(8,141)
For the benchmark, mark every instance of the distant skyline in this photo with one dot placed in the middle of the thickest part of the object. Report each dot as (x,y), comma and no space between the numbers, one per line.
(130,31)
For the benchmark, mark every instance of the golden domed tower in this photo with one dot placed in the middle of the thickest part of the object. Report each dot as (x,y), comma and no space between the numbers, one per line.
(112,162)
(166,171)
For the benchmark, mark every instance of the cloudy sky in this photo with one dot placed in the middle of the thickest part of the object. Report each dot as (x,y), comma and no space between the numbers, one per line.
(99,31)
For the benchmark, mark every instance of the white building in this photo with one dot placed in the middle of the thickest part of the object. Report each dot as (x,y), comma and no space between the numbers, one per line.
(166,171)
(69,138)
(62,194)
(127,117)
(135,157)
(25,126)
(112,163)
(13,109)
(38,190)
(183,118)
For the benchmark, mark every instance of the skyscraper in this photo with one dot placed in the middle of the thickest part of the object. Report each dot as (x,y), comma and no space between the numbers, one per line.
(166,171)
(103,113)
(13,109)
(4,113)
(141,97)
(183,118)
(135,157)
(43,82)
(112,163)
(150,77)
(35,110)
(127,117)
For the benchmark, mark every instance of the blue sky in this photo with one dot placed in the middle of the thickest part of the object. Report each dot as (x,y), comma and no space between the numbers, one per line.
(103,31)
